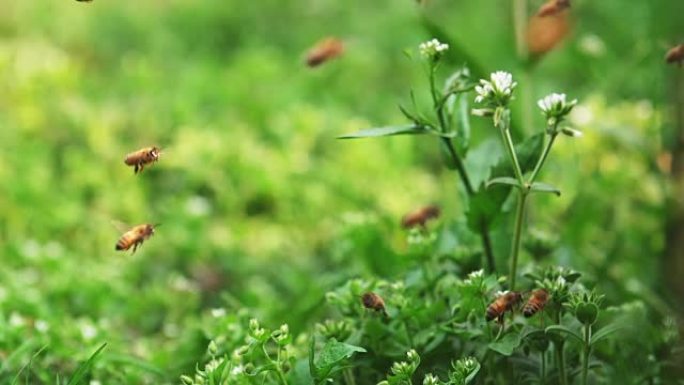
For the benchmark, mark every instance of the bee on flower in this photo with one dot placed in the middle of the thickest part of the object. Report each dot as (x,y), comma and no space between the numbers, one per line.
(497,91)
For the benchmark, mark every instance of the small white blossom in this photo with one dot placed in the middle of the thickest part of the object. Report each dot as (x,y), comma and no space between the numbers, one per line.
(41,326)
(16,320)
(476,274)
(218,312)
(496,91)
(555,107)
(94,382)
(239,369)
(430,379)
(432,48)
(88,331)
(500,293)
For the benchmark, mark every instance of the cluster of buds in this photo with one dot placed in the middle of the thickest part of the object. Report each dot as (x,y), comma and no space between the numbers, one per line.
(255,331)
(433,50)
(403,371)
(585,305)
(463,370)
(497,91)
(282,335)
(339,330)
(555,108)
(431,379)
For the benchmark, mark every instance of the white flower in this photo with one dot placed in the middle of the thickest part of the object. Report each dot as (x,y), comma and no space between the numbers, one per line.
(497,91)
(41,326)
(500,293)
(476,274)
(430,379)
(239,369)
(88,331)
(555,107)
(16,320)
(432,48)
(218,312)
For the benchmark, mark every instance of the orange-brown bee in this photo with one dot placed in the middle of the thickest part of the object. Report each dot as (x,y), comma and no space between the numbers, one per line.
(675,54)
(537,301)
(552,7)
(142,157)
(502,304)
(135,237)
(373,301)
(326,49)
(420,217)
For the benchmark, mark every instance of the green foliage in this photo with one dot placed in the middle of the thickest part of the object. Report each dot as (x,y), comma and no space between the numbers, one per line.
(264,212)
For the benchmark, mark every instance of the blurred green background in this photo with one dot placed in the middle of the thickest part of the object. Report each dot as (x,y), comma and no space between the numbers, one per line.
(261,207)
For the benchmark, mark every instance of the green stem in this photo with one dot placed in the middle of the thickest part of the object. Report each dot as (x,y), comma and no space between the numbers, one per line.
(517,235)
(520,25)
(560,357)
(438,104)
(349,376)
(585,355)
(542,158)
(510,149)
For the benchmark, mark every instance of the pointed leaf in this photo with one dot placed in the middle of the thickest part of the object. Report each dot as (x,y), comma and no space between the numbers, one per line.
(471,376)
(544,187)
(505,180)
(560,329)
(334,352)
(604,332)
(507,344)
(85,367)
(387,131)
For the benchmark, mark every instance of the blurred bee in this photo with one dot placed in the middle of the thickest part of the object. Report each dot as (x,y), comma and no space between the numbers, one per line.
(553,7)
(326,49)
(142,157)
(536,302)
(373,301)
(84,1)
(135,237)
(503,303)
(675,55)
(420,217)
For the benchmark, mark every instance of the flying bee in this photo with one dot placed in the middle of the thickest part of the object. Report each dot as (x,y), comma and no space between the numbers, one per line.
(135,237)
(142,157)
(503,303)
(420,217)
(553,7)
(675,55)
(536,302)
(326,49)
(373,301)
(84,1)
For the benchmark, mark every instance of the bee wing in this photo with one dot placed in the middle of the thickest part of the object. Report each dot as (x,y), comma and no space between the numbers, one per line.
(121,227)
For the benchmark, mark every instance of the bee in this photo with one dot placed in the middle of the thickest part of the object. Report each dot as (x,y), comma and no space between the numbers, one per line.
(675,54)
(326,49)
(553,7)
(135,237)
(140,158)
(420,217)
(373,301)
(536,302)
(503,303)
(84,1)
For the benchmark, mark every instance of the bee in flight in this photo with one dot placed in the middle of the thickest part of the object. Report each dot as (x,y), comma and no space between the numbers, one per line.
(135,237)
(326,49)
(536,302)
(142,157)
(553,7)
(503,303)
(373,301)
(675,55)
(420,217)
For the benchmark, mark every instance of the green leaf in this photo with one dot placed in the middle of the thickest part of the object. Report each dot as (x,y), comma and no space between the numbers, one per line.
(604,332)
(300,374)
(561,330)
(505,180)
(387,131)
(507,344)
(85,367)
(472,375)
(333,352)
(544,187)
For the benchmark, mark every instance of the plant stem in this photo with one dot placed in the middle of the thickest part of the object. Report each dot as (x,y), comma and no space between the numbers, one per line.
(348,376)
(510,148)
(585,355)
(438,104)
(517,234)
(542,158)
(520,25)
(560,355)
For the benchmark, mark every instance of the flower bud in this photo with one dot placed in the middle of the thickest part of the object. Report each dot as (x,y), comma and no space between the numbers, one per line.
(187,380)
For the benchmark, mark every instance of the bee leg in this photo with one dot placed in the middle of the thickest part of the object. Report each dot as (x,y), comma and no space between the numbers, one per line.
(135,169)
(142,165)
